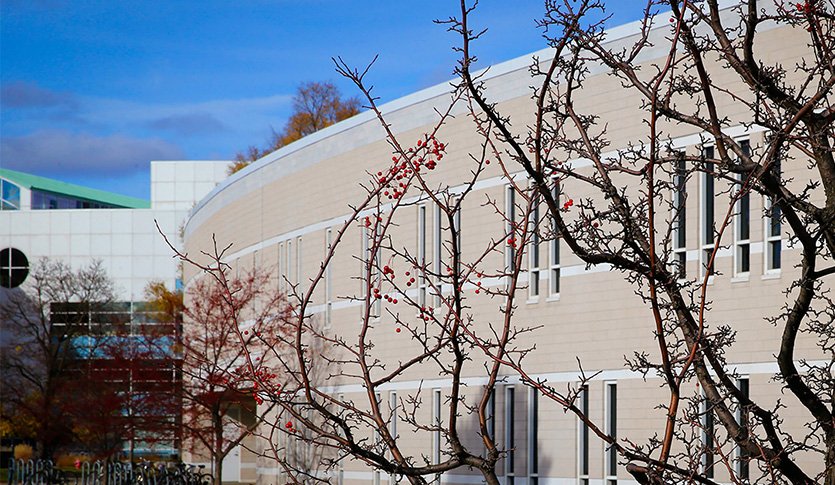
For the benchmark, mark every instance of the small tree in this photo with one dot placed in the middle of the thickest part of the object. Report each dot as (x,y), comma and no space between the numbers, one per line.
(227,320)
(45,325)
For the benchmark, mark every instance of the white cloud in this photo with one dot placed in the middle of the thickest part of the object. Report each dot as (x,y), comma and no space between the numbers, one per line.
(56,151)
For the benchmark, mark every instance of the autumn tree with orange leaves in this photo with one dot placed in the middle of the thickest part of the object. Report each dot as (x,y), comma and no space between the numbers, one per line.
(316,105)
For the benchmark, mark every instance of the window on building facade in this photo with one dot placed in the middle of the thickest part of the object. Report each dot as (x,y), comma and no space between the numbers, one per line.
(288,267)
(509,434)
(328,280)
(456,221)
(377,271)
(533,436)
(377,438)
(420,255)
(773,229)
(583,437)
(742,467)
(9,196)
(680,216)
(510,228)
(340,473)
(437,257)
(707,233)
(611,411)
(554,268)
(436,421)
(393,426)
(47,200)
(14,267)
(742,222)
(299,276)
(280,269)
(371,267)
(534,249)
(708,438)
(490,416)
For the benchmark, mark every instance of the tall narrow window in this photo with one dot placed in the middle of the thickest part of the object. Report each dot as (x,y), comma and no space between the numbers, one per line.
(456,223)
(773,229)
(680,215)
(534,259)
(509,434)
(510,228)
(299,260)
(708,440)
(533,436)
(393,426)
(611,430)
(393,410)
(742,226)
(377,270)
(491,415)
(437,257)
(364,258)
(420,255)
(742,417)
(554,263)
(289,264)
(281,268)
(377,437)
(583,437)
(340,472)
(328,280)
(436,421)
(707,234)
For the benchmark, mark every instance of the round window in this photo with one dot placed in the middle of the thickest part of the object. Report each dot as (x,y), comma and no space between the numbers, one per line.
(14,267)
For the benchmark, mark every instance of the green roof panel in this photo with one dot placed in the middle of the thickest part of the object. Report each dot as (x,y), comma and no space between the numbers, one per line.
(76,191)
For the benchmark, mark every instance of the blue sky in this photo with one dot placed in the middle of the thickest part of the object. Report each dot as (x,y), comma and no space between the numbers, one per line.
(91,91)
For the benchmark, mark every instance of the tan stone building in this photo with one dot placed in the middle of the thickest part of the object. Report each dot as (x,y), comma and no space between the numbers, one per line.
(282,212)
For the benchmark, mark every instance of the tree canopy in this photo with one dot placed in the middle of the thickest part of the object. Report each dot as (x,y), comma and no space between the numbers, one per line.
(316,105)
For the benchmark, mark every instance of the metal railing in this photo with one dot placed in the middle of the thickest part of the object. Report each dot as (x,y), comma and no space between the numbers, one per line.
(44,472)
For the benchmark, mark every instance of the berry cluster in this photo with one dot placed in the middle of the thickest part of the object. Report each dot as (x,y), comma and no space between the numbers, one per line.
(806,7)
(395,180)
(567,205)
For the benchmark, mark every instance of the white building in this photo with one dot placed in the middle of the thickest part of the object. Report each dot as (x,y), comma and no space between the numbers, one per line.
(45,218)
